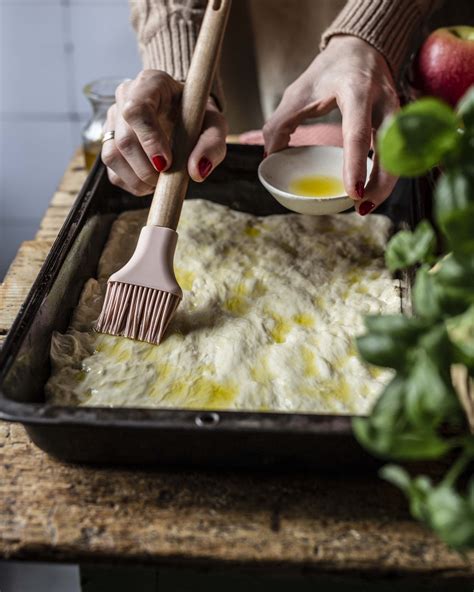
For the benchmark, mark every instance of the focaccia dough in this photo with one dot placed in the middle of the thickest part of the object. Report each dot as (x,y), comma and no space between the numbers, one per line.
(270,309)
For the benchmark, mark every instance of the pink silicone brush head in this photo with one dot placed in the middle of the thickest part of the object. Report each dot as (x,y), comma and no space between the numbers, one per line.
(143,296)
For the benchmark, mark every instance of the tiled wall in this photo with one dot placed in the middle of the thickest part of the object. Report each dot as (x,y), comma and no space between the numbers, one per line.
(48,50)
(16,576)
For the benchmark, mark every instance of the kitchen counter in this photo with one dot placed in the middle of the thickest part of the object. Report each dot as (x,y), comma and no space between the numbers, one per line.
(352,527)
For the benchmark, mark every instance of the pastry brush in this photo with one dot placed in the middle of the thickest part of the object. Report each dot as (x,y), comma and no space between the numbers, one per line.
(142,297)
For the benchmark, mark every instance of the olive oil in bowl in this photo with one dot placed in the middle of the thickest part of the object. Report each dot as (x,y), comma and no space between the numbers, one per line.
(308,179)
(319,186)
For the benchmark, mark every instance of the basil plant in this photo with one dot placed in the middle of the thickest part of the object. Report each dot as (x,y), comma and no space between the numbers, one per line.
(419,415)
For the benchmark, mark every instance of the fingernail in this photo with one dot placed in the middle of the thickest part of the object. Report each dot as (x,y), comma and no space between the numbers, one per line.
(359,187)
(366,207)
(204,167)
(159,162)
(265,154)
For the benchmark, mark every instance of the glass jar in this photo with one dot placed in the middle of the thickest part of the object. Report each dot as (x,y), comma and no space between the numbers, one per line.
(101,94)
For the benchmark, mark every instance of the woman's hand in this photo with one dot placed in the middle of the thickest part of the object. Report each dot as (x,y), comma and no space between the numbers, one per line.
(353,76)
(143,119)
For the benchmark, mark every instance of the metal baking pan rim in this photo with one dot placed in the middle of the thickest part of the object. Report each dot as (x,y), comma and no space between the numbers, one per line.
(173,419)
(50,267)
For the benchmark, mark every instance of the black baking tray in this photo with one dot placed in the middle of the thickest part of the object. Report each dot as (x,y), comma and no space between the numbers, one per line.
(153,436)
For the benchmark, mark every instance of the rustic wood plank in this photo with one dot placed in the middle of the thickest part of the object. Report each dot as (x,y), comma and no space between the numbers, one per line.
(75,174)
(64,512)
(63,198)
(32,254)
(54,511)
(19,279)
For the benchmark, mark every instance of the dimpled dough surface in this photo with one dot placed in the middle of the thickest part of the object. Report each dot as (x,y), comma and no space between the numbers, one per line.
(270,309)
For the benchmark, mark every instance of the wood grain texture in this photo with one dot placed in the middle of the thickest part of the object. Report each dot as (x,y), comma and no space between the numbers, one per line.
(60,512)
(32,254)
(333,524)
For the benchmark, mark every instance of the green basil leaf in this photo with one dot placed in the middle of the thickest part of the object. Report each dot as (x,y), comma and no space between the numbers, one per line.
(377,431)
(397,476)
(454,300)
(470,494)
(416,444)
(433,299)
(407,248)
(455,271)
(363,432)
(429,396)
(382,350)
(441,507)
(454,206)
(454,280)
(426,295)
(397,326)
(461,333)
(465,108)
(417,138)
(416,489)
(388,433)
(436,344)
(462,156)
(450,516)
(389,406)
(469,445)
(421,486)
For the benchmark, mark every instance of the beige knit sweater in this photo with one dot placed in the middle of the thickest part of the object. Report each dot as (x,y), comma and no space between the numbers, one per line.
(167,29)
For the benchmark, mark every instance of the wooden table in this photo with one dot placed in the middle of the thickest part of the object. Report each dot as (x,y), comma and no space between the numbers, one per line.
(330,526)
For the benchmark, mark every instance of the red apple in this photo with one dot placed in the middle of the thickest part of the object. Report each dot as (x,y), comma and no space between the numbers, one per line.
(444,66)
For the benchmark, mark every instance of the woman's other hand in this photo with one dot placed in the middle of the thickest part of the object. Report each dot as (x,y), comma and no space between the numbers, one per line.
(143,119)
(353,76)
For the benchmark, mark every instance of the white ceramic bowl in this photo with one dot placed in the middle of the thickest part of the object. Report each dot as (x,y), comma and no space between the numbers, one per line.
(277,171)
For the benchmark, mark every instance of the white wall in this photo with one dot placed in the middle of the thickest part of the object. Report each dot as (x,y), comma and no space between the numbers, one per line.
(49,49)
(22,576)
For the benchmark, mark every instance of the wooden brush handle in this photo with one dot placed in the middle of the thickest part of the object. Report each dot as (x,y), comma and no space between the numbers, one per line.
(172,185)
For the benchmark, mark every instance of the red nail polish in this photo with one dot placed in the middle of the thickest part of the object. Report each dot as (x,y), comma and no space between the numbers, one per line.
(366,207)
(265,154)
(159,162)
(359,187)
(204,167)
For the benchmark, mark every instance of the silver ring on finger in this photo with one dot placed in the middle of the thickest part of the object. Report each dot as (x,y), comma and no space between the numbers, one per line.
(108,136)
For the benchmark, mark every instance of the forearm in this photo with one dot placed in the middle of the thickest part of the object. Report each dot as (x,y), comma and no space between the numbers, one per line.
(167,31)
(388,25)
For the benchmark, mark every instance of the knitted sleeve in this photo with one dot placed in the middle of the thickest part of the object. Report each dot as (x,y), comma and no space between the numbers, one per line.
(167,31)
(388,25)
